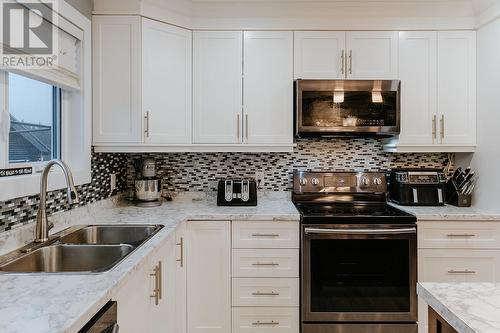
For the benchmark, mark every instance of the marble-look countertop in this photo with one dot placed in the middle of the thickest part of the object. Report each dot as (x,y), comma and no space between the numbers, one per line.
(448,213)
(45,303)
(468,307)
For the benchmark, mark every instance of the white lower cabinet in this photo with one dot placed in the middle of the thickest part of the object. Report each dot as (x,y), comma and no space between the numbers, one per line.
(456,252)
(265,320)
(209,276)
(266,292)
(265,262)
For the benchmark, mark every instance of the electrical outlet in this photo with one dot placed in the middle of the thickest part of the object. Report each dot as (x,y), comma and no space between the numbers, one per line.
(112,181)
(259,178)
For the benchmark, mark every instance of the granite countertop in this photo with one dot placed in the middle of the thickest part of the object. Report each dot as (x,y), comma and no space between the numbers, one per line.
(468,307)
(448,213)
(45,303)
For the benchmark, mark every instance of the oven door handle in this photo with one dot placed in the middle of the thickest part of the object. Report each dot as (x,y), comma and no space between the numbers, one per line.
(361,231)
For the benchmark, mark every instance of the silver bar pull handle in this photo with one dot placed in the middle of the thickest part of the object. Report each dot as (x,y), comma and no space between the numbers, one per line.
(342,59)
(465,271)
(156,290)
(461,235)
(442,126)
(360,231)
(160,282)
(146,124)
(262,323)
(265,235)
(238,127)
(181,245)
(434,128)
(350,62)
(246,127)
(265,264)
(258,293)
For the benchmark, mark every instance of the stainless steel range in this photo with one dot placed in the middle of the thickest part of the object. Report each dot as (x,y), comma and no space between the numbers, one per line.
(358,255)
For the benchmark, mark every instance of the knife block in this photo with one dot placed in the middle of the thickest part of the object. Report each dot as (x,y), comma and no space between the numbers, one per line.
(454,197)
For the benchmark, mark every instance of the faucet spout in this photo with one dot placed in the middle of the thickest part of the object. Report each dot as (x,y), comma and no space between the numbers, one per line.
(42,226)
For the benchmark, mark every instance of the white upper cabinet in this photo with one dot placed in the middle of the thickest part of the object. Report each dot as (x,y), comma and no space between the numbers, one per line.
(417,72)
(319,55)
(457,87)
(117,79)
(268,87)
(372,55)
(438,92)
(217,93)
(166,83)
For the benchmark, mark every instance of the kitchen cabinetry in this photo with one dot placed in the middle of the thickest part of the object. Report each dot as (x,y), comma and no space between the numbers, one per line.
(437,72)
(209,276)
(217,94)
(265,276)
(142,75)
(457,252)
(166,83)
(268,87)
(319,55)
(351,55)
(117,79)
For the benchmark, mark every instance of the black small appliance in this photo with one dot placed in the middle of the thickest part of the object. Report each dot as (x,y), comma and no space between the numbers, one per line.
(417,187)
(237,192)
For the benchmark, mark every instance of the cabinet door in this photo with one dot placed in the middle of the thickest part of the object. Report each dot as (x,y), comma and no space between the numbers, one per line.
(209,276)
(180,281)
(457,87)
(217,102)
(117,79)
(268,87)
(133,303)
(162,312)
(372,55)
(166,88)
(319,54)
(418,75)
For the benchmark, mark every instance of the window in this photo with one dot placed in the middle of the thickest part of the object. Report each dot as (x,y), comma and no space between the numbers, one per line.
(35,112)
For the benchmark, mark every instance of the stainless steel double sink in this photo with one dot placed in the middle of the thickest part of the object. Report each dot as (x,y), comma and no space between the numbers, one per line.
(80,249)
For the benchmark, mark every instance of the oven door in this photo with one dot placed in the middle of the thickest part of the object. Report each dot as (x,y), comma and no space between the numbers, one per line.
(361,273)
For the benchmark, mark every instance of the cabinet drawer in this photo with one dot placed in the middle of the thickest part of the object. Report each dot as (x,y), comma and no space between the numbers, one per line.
(459,265)
(266,263)
(265,320)
(459,235)
(267,234)
(266,292)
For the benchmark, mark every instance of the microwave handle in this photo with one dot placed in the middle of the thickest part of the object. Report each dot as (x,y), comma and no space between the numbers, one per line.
(360,231)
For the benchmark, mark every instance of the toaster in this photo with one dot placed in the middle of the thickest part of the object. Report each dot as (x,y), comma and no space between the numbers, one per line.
(237,192)
(417,187)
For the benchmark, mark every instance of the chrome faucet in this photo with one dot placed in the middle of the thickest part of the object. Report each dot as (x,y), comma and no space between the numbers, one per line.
(42,226)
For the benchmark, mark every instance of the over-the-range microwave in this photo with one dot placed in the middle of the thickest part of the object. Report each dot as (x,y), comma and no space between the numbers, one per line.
(347,107)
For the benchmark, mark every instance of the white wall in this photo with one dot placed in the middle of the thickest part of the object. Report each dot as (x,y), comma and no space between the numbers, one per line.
(487,158)
(83,6)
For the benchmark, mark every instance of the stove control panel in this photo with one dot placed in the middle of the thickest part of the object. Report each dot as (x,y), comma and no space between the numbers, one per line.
(343,182)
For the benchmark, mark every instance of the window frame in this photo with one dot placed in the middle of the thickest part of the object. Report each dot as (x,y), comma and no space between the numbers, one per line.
(75,122)
(56,123)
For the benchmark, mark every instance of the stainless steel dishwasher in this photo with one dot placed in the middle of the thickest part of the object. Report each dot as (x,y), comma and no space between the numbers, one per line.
(105,321)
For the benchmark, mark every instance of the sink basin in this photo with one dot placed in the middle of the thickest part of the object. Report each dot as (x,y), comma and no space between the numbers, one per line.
(111,234)
(62,258)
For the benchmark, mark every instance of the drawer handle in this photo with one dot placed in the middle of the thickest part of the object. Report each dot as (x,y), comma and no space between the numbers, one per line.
(465,271)
(261,323)
(461,235)
(272,293)
(265,235)
(265,264)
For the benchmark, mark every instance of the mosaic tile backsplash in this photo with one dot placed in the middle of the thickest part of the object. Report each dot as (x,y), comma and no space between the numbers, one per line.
(201,171)
(23,210)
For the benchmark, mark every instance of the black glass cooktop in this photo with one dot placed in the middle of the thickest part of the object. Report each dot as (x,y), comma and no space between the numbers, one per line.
(353,212)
